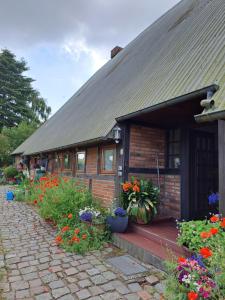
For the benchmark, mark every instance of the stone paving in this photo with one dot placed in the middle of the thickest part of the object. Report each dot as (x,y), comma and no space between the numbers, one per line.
(34,267)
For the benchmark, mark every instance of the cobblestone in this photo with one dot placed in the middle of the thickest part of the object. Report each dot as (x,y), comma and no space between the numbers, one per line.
(38,270)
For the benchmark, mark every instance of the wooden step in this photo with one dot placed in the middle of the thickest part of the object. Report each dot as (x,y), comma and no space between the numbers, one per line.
(166,237)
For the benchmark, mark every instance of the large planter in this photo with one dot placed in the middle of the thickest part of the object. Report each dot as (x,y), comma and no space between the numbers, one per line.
(141,216)
(117,224)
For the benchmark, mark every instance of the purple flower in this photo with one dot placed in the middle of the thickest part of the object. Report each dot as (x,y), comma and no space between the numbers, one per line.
(120,212)
(198,259)
(86,216)
(213,198)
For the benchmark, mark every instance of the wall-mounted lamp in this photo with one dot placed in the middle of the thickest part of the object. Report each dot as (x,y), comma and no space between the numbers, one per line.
(208,102)
(117,134)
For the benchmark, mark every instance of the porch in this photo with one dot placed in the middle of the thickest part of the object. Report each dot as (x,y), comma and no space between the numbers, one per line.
(184,158)
(152,243)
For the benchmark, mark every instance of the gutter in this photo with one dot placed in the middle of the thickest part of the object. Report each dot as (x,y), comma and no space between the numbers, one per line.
(201,93)
(210,117)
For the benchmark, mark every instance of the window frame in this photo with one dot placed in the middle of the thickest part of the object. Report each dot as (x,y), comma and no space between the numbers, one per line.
(172,155)
(85,160)
(102,169)
(58,167)
(69,161)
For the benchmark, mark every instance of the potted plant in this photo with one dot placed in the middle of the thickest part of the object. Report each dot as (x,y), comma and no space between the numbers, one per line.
(92,217)
(141,198)
(118,221)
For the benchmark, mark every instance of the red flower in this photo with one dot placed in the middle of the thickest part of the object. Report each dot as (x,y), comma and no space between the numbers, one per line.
(75,239)
(43,179)
(84,236)
(205,235)
(181,259)
(65,228)
(222,223)
(214,230)
(35,202)
(70,216)
(214,219)
(77,230)
(58,239)
(205,252)
(136,188)
(192,296)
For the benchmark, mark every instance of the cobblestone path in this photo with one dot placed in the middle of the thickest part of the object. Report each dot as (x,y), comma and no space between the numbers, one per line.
(35,268)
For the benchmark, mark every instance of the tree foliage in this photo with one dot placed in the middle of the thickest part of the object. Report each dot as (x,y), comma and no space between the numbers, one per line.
(11,138)
(19,101)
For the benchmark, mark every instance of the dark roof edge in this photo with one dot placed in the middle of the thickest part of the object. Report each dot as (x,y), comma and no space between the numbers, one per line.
(198,93)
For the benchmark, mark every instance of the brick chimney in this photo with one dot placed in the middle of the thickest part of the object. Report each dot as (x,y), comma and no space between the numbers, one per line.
(115,51)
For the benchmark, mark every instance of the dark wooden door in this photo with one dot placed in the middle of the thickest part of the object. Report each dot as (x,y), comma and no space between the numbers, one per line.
(203,172)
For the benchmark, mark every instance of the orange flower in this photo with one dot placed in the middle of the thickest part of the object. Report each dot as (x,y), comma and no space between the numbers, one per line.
(214,219)
(84,236)
(192,296)
(35,202)
(58,239)
(205,252)
(77,230)
(70,216)
(127,186)
(222,223)
(65,228)
(181,259)
(136,188)
(214,230)
(205,235)
(75,239)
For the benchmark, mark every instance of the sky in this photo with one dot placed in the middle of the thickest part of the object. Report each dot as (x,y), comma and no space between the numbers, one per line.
(64,42)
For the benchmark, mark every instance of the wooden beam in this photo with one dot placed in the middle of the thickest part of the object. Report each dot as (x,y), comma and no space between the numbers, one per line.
(185,174)
(221,164)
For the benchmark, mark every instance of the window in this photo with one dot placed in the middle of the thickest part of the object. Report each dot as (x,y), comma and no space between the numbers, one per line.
(81,161)
(67,161)
(108,160)
(56,162)
(173,149)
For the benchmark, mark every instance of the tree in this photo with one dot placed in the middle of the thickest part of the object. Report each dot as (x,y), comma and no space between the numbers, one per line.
(19,101)
(11,138)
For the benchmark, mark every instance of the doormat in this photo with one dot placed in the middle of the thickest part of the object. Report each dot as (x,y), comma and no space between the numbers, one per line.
(127,265)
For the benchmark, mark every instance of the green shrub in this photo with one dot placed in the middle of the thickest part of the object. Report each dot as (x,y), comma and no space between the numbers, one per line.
(19,195)
(10,172)
(60,201)
(190,235)
(80,239)
(205,271)
(67,197)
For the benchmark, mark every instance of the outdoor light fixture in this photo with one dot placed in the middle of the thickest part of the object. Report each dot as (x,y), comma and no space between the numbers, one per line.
(208,102)
(117,134)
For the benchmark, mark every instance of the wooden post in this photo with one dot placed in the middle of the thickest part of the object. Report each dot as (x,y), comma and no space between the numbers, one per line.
(221,164)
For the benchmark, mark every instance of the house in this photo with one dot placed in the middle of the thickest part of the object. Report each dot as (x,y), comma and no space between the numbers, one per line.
(155,110)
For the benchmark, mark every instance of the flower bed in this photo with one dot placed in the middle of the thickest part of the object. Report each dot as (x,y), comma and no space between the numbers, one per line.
(201,276)
(61,201)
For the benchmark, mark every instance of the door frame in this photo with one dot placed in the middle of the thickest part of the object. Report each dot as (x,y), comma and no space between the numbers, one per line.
(186,193)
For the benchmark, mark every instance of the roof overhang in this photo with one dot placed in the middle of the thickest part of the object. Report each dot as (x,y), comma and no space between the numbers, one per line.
(197,95)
